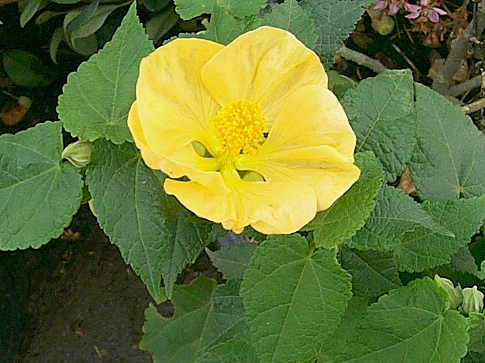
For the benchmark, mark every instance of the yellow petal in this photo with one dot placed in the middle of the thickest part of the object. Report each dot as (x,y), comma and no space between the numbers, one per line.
(312,116)
(311,141)
(270,208)
(175,107)
(151,159)
(265,65)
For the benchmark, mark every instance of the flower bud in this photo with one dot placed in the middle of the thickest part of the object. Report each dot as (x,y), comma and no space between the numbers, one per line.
(78,153)
(384,25)
(472,300)
(454,293)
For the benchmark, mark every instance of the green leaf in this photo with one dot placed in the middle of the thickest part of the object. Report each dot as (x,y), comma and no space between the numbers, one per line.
(473,357)
(476,332)
(97,97)
(241,8)
(412,324)
(212,327)
(381,112)
(188,9)
(293,298)
(39,194)
(422,249)
(334,21)
(94,23)
(448,161)
(26,69)
(291,16)
(339,84)
(153,232)
(28,8)
(373,273)
(223,27)
(395,214)
(348,214)
(232,261)
(463,261)
(160,24)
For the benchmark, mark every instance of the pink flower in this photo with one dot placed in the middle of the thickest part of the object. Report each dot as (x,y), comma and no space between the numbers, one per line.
(392,6)
(424,9)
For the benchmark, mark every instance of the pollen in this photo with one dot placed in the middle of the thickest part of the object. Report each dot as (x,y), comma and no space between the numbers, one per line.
(239,127)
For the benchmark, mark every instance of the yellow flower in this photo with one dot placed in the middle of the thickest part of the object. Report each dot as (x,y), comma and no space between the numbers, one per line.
(251,126)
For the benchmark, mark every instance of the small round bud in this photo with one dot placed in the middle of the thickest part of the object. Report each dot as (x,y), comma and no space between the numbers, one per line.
(472,300)
(25,102)
(384,25)
(78,153)
(454,293)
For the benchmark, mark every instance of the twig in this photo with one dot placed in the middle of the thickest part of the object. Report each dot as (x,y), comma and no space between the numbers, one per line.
(465,86)
(417,73)
(458,49)
(362,59)
(474,106)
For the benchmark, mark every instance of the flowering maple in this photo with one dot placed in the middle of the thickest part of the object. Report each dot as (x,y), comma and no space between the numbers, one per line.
(248,133)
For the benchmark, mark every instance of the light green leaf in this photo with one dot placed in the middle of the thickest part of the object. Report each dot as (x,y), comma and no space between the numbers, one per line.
(334,21)
(188,9)
(395,214)
(422,249)
(232,261)
(381,112)
(97,97)
(213,328)
(412,324)
(39,194)
(223,27)
(241,8)
(293,298)
(348,214)
(373,273)
(155,235)
(449,158)
(291,16)
(476,332)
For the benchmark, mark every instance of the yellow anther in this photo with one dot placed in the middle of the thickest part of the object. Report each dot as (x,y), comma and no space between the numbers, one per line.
(239,127)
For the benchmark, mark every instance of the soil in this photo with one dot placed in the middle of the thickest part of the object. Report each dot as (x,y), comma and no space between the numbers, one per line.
(80,301)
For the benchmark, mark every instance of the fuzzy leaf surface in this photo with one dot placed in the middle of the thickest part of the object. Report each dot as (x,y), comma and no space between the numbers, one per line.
(348,214)
(422,249)
(39,193)
(293,298)
(155,235)
(211,321)
(381,112)
(292,17)
(232,261)
(97,97)
(449,158)
(373,273)
(395,214)
(334,21)
(412,324)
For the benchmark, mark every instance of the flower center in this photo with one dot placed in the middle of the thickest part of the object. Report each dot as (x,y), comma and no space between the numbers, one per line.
(239,127)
